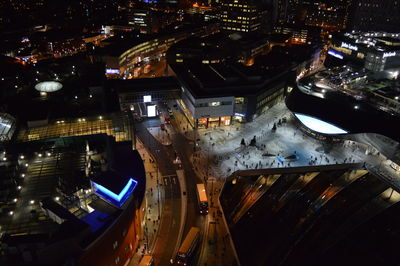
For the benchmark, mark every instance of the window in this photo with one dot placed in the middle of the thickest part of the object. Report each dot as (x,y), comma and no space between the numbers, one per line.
(215,104)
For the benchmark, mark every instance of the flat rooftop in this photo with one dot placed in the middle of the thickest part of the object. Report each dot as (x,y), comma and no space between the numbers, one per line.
(118,125)
(223,79)
(43,170)
(381,94)
(143,85)
(379,41)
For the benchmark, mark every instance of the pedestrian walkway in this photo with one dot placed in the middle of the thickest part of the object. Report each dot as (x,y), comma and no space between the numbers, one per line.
(286,146)
(160,135)
(151,206)
(183,126)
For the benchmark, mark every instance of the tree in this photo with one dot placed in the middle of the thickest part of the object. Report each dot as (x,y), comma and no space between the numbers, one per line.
(253,141)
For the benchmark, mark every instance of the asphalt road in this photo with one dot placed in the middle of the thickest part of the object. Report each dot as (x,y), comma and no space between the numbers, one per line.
(171,213)
(183,147)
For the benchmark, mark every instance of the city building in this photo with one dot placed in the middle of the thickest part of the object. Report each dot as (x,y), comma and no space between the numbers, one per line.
(213,94)
(134,94)
(240,16)
(300,35)
(375,15)
(279,11)
(72,183)
(328,15)
(217,48)
(69,198)
(317,215)
(8,125)
(201,13)
(131,55)
(347,103)
(148,21)
(378,52)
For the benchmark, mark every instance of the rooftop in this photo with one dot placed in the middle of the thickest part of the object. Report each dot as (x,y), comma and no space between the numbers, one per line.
(222,79)
(381,94)
(379,41)
(142,85)
(311,216)
(51,176)
(44,170)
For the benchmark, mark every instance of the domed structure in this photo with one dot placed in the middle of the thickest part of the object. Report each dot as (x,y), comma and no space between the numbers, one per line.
(48,86)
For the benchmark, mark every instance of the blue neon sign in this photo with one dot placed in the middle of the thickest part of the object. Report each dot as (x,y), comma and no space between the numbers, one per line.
(129,187)
(335,54)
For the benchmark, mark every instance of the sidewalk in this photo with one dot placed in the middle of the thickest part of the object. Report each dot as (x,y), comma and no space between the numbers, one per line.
(183,126)
(221,252)
(160,135)
(152,204)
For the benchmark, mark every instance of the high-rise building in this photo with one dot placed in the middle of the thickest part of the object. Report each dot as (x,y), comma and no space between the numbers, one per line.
(375,15)
(241,16)
(327,14)
(288,11)
(279,11)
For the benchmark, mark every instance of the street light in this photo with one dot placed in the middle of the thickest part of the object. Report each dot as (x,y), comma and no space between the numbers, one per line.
(158,193)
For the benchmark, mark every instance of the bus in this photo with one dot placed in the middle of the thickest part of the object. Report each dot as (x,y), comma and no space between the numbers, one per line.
(188,246)
(147,260)
(202,199)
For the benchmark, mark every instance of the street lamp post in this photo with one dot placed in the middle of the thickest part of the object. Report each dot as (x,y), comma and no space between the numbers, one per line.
(212,192)
(158,194)
(194,139)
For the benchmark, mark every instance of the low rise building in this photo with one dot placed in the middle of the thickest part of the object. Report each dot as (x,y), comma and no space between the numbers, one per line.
(215,94)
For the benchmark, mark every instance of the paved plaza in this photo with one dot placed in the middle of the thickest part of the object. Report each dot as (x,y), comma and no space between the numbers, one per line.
(287,146)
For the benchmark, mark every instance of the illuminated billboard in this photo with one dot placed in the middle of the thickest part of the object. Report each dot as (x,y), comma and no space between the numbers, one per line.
(112,71)
(151,111)
(147,98)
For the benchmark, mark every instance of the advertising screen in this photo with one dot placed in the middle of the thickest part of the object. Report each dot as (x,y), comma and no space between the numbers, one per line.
(151,111)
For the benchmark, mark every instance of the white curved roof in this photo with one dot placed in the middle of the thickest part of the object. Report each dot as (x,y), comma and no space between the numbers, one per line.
(48,86)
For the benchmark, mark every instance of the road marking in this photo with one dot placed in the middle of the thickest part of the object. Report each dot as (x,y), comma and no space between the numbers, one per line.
(169,176)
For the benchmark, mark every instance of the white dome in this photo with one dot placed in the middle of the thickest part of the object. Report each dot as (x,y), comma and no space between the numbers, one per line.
(48,86)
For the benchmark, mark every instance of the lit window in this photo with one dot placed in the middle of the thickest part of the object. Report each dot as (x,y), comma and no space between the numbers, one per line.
(215,103)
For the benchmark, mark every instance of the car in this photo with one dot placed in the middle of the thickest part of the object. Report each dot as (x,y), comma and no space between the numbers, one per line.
(167,121)
(162,126)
